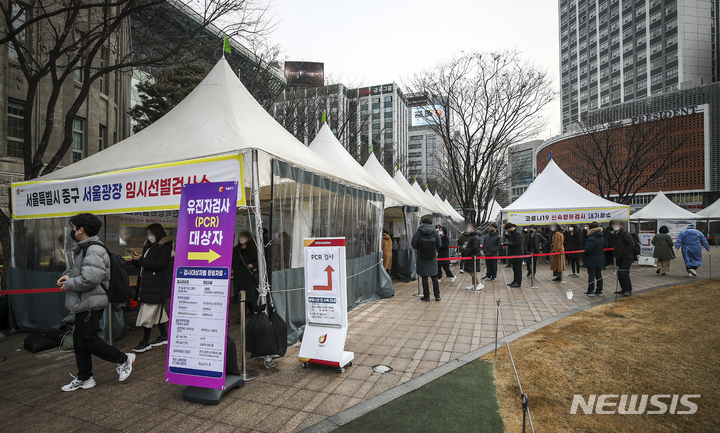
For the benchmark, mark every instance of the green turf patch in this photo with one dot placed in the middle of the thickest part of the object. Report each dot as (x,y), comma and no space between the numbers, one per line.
(617,316)
(461,401)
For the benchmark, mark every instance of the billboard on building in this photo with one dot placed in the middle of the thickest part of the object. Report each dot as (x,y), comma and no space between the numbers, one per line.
(427,115)
(305,74)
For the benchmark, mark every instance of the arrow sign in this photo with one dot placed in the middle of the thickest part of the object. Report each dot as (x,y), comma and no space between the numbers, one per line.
(210,256)
(329,271)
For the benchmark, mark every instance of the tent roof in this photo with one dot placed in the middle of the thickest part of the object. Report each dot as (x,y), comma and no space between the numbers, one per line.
(494,210)
(712,211)
(445,205)
(426,208)
(327,147)
(219,117)
(555,190)
(435,206)
(662,207)
(378,172)
(452,208)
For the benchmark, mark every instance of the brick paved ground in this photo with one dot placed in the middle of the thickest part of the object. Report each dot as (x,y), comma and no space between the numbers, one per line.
(411,336)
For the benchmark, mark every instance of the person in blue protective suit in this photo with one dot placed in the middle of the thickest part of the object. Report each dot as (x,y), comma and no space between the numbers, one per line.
(691,242)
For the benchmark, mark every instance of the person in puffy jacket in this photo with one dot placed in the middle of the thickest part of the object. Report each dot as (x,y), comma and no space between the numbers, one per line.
(491,247)
(85,283)
(444,253)
(574,242)
(594,259)
(387,252)
(153,285)
(426,240)
(473,249)
(663,250)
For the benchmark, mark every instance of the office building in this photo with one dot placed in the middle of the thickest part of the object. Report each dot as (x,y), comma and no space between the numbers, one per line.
(617,51)
(426,152)
(522,167)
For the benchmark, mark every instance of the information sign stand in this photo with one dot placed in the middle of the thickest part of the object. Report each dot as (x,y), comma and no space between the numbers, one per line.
(326,326)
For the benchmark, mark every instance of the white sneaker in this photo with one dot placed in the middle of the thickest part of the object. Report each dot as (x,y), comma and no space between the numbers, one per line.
(452,280)
(439,281)
(470,288)
(78,384)
(690,274)
(126,367)
(461,271)
(693,272)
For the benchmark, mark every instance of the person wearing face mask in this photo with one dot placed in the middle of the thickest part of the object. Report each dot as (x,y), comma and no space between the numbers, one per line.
(515,248)
(610,246)
(153,285)
(444,253)
(533,243)
(491,247)
(574,243)
(244,265)
(557,245)
(473,248)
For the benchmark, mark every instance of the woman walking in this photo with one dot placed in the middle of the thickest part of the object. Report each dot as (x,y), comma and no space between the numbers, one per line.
(594,259)
(153,285)
(244,264)
(663,251)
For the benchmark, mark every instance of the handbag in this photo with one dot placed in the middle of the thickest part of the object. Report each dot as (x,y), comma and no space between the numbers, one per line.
(266,332)
(253,272)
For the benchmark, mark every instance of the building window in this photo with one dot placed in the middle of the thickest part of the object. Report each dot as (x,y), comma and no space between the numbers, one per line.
(627,47)
(628,61)
(641,70)
(102,139)
(616,81)
(19,12)
(671,24)
(672,40)
(671,57)
(15,129)
(656,33)
(640,11)
(629,89)
(616,95)
(104,84)
(655,17)
(672,73)
(640,26)
(627,32)
(627,18)
(615,67)
(641,85)
(78,139)
(415,155)
(78,73)
(656,48)
(415,146)
(415,137)
(656,79)
(641,54)
(628,75)
(672,88)
(670,8)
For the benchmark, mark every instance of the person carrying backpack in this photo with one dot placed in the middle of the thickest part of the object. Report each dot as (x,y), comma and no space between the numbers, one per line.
(85,284)
(153,285)
(625,247)
(427,241)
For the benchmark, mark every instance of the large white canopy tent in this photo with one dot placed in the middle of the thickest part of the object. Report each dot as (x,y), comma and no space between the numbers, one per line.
(455,212)
(661,211)
(711,222)
(711,212)
(493,212)
(297,193)
(555,197)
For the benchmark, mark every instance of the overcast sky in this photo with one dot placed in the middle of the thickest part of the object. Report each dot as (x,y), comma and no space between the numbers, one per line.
(368,42)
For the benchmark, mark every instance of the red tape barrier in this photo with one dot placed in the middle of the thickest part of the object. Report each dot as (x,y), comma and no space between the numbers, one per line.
(520,257)
(30,291)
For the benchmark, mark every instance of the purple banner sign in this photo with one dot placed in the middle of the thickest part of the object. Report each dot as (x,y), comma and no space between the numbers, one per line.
(197,336)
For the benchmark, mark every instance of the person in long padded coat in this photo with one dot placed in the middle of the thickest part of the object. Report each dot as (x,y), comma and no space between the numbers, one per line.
(387,251)
(153,285)
(556,243)
(663,251)
(244,265)
(427,257)
(594,259)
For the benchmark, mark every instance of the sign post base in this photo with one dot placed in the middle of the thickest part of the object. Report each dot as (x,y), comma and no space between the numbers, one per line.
(210,396)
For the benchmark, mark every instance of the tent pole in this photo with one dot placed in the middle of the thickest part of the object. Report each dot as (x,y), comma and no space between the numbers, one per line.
(262,268)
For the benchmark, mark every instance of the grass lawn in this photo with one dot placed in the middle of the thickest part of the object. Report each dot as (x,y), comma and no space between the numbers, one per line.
(666,341)
(461,401)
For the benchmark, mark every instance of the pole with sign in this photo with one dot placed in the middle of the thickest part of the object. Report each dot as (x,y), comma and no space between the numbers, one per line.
(197,340)
(326,317)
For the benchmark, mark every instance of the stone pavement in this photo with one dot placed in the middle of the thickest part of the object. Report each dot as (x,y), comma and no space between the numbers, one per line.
(411,336)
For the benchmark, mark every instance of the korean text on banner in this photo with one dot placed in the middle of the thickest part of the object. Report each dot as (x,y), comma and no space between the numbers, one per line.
(143,189)
(569,216)
(201,289)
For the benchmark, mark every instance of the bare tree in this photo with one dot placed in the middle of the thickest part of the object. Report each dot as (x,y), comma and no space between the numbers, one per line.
(55,41)
(490,101)
(619,159)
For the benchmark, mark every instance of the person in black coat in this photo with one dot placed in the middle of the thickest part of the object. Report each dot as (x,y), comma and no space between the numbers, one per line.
(473,248)
(244,266)
(534,242)
(609,244)
(153,285)
(444,253)
(515,248)
(573,242)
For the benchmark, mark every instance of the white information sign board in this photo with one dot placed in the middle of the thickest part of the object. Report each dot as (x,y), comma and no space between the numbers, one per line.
(325,304)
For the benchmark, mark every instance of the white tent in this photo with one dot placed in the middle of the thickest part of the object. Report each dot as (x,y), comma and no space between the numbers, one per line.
(662,208)
(426,208)
(434,205)
(379,174)
(711,212)
(494,211)
(555,197)
(448,208)
(456,213)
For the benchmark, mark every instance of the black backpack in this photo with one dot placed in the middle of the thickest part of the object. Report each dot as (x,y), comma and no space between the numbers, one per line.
(636,244)
(428,247)
(119,285)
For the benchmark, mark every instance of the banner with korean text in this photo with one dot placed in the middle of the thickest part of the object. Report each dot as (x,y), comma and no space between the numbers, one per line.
(569,216)
(148,188)
(197,335)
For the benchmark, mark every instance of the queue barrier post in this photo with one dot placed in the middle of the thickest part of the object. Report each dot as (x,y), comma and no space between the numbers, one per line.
(247,375)
(497,324)
(532,274)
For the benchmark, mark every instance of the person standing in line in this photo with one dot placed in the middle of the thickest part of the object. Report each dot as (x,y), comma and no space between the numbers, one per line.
(491,247)
(533,243)
(473,248)
(504,251)
(546,248)
(444,253)
(244,266)
(624,254)
(594,259)
(153,285)
(691,242)
(663,250)
(387,252)
(515,248)
(574,243)
(610,246)
(462,240)
(86,297)
(557,245)
(427,241)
